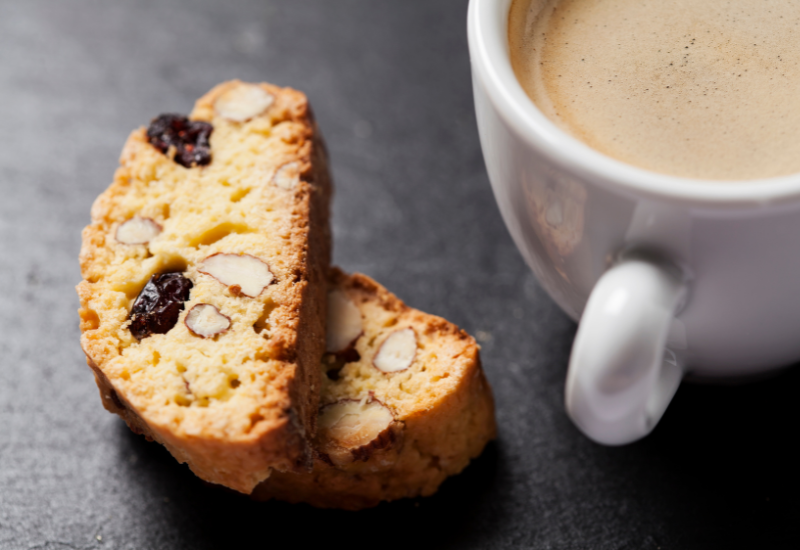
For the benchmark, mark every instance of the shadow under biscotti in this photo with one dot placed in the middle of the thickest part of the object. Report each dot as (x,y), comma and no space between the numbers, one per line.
(194,514)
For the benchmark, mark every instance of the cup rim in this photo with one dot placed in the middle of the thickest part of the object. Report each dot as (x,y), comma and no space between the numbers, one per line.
(488,44)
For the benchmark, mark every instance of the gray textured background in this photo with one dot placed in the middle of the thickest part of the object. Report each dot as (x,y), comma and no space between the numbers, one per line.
(391,88)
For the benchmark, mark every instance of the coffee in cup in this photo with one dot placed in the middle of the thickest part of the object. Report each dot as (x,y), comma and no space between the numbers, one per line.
(702,89)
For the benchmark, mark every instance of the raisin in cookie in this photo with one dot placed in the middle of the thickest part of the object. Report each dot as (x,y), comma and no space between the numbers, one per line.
(203,300)
(405,403)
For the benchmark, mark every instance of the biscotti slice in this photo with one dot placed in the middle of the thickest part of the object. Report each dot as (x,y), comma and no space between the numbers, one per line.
(405,403)
(204,294)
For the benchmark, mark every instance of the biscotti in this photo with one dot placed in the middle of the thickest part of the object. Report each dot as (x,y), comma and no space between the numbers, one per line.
(405,403)
(204,295)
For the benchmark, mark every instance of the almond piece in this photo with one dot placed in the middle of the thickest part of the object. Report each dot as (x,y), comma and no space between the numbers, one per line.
(243,102)
(287,176)
(205,320)
(344,322)
(353,430)
(241,273)
(137,231)
(397,352)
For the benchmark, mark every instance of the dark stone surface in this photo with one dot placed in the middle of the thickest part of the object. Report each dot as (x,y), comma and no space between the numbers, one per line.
(391,88)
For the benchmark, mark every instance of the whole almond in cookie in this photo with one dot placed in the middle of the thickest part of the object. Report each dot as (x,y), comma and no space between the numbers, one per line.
(244,102)
(352,430)
(242,273)
(344,322)
(397,351)
(137,230)
(287,176)
(205,320)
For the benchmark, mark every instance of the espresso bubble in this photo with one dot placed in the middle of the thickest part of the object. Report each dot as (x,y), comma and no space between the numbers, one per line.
(704,89)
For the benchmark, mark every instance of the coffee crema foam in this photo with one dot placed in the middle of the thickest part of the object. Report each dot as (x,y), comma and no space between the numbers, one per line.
(705,89)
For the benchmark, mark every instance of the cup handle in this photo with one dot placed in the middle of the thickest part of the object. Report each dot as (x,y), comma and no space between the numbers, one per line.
(621,376)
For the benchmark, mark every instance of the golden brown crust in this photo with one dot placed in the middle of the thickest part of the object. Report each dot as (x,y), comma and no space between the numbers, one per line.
(441,430)
(230,431)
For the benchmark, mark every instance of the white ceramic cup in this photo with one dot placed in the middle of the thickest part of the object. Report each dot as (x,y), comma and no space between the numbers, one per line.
(667,276)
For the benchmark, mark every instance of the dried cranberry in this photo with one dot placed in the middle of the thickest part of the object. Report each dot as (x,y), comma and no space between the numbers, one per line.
(159,304)
(189,137)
